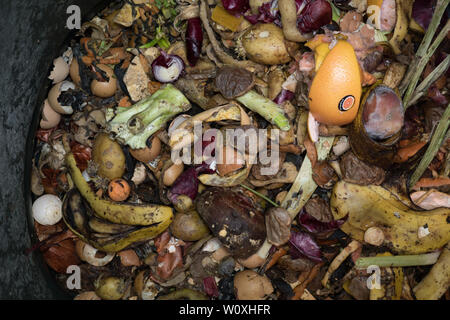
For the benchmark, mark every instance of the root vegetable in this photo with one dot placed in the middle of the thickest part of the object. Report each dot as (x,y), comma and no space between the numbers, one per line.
(265,43)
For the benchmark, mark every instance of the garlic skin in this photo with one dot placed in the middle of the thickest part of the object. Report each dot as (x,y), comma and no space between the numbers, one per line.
(47,210)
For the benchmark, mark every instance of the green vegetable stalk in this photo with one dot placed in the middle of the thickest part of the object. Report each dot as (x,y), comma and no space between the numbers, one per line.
(134,125)
(266,108)
(398,261)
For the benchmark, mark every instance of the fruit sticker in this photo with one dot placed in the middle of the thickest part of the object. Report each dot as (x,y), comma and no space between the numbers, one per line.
(346,103)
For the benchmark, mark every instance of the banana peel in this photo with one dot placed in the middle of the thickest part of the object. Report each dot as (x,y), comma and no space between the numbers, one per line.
(103,235)
(374,206)
(437,281)
(119,213)
(403,9)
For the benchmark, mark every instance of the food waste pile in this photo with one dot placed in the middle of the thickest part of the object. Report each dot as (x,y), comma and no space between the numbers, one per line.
(249,149)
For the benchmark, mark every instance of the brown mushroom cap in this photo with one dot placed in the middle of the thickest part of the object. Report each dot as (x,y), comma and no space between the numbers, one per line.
(233,81)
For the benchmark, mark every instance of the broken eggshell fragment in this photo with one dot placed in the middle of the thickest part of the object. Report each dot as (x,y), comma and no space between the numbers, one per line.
(50,118)
(60,70)
(54,94)
(104,89)
(234,218)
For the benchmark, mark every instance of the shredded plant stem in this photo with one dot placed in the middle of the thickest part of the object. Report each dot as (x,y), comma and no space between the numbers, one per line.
(433,147)
(300,289)
(225,58)
(275,257)
(340,258)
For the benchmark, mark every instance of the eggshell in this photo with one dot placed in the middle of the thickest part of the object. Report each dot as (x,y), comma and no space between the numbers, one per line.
(50,118)
(60,70)
(336,89)
(54,93)
(47,210)
(104,89)
(148,154)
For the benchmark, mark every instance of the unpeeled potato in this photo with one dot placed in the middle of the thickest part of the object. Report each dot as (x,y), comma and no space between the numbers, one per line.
(109,157)
(265,43)
(189,226)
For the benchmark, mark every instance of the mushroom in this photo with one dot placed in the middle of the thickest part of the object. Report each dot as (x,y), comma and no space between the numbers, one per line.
(249,285)
(91,255)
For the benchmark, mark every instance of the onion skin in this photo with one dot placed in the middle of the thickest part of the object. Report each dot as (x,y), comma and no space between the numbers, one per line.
(236,7)
(284,95)
(315,15)
(165,62)
(194,40)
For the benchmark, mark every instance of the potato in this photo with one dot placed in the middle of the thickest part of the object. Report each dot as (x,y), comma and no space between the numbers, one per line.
(110,288)
(189,226)
(109,157)
(264,43)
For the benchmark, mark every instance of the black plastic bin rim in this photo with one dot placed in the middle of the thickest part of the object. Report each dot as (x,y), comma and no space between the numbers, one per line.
(32,34)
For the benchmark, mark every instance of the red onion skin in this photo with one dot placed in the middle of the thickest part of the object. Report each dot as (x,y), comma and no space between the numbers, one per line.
(302,244)
(315,226)
(236,7)
(422,12)
(165,60)
(314,15)
(187,183)
(265,14)
(210,287)
(194,40)
(284,95)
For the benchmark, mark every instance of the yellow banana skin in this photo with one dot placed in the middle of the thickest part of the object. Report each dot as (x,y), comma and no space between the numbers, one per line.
(374,206)
(76,215)
(403,9)
(129,214)
(102,226)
